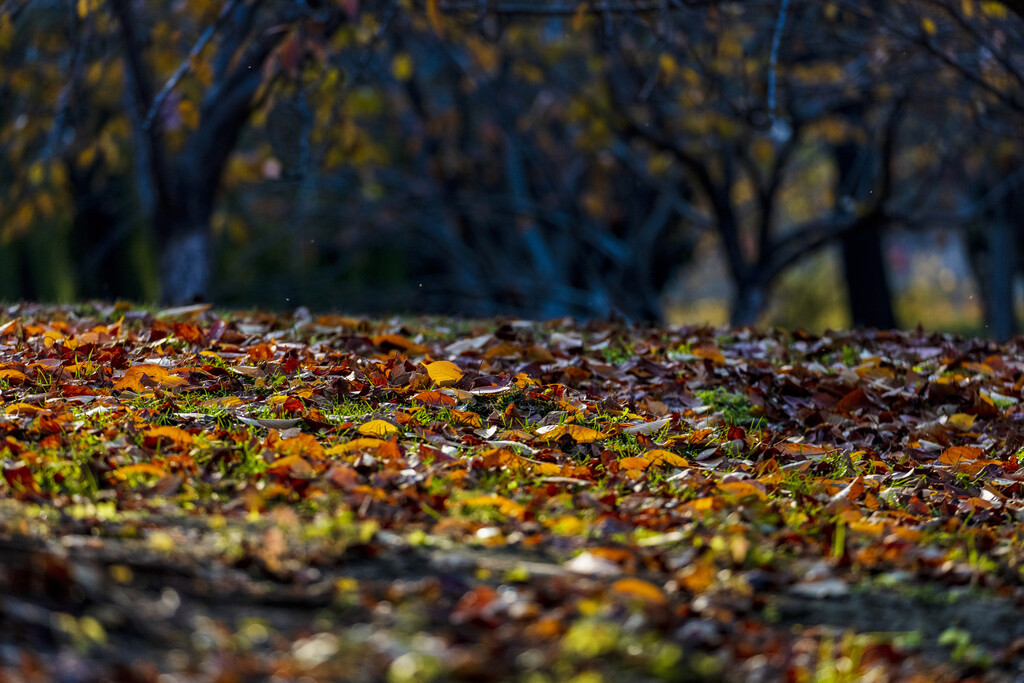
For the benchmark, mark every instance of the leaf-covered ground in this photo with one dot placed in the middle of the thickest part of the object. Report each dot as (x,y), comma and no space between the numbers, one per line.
(238,497)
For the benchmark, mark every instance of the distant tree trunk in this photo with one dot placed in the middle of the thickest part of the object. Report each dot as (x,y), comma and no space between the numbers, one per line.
(186,265)
(999,309)
(747,304)
(864,268)
(867,282)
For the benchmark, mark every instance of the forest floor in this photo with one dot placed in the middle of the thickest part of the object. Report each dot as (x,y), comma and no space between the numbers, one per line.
(192,495)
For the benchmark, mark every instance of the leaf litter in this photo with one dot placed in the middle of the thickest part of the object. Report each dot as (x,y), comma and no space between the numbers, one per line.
(222,497)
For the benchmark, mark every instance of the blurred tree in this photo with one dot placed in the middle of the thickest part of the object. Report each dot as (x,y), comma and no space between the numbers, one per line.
(548,157)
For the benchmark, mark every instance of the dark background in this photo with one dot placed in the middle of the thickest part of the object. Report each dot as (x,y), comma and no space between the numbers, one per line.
(804,164)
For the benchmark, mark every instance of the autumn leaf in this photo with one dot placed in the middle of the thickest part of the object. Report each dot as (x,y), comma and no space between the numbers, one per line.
(578,433)
(504,505)
(742,489)
(444,372)
(357,444)
(658,456)
(139,378)
(139,468)
(174,435)
(435,399)
(957,454)
(378,428)
(639,589)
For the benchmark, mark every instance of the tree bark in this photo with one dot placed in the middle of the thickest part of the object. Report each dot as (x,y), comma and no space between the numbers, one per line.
(747,303)
(186,265)
(867,282)
(870,296)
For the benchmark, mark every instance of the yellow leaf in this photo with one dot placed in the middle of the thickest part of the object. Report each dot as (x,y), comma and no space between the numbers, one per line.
(162,541)
(546,469)
(741,489)
(378,428)
(638,588)
(23,409)
(504,505)
(355,444)
(659,456)
(140,468)
(996,10)
(961,421)
(402,66)
(444,372)
(701,504)
(928,25)
(567,525)
(579,433)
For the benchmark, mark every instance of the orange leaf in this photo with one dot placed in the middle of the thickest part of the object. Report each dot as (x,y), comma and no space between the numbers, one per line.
(434,398)
(354,444)
(179,437)
(710,353)
(465,417)
(957,454)
(138,378)
(697,577)
(546,469)
(294,465)
(742,489)
(14,377)
(659,456)
(579,433)
(300,445)
(702,504)
(397,341)
(633,464)
(638,588)
(805,449)
(140,468)
(9,327)
(500,457)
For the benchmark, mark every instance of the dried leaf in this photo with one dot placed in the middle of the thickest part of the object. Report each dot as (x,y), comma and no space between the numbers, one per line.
(444,372)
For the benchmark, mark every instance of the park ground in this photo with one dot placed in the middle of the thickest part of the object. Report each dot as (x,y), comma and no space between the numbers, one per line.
(203,495)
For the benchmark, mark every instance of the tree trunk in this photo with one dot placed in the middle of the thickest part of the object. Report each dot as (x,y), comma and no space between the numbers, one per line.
(999,309)
(186,264)
(747,303)
(867,281)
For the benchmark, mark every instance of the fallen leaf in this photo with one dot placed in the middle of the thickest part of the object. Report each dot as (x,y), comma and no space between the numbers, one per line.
(444,372)
(640,589)
(378,428)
